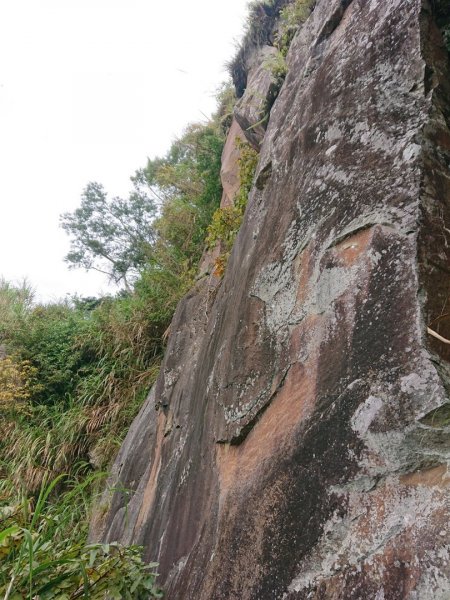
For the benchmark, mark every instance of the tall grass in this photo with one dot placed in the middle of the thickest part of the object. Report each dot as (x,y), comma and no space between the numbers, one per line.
(90,371)
(42,555)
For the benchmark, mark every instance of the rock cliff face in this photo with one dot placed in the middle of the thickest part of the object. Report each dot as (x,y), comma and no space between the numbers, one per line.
(296,444)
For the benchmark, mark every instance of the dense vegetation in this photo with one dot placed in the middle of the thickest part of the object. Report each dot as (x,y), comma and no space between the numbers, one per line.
(74,373)
(226,221)
(43,555)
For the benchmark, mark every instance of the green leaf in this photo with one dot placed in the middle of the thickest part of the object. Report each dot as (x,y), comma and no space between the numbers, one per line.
(8,532)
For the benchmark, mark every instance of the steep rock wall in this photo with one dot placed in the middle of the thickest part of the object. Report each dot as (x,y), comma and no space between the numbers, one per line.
(296,444)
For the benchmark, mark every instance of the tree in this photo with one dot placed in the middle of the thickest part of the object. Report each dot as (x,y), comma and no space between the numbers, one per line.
(188,183)
(115,236)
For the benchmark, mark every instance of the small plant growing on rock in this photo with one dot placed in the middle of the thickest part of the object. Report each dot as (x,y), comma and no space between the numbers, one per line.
(276,64)
(292,16)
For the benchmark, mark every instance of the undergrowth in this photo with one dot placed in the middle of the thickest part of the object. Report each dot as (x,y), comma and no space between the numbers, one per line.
(73,375)
(292,16)
(269,22)
(42,556)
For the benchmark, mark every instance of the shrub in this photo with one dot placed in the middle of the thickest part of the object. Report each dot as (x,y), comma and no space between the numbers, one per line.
(44,556)
(292,16)
(15,386)
(76,379)
(49,343)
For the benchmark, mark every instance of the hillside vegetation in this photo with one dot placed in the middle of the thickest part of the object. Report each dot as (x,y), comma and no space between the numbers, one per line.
(73,374)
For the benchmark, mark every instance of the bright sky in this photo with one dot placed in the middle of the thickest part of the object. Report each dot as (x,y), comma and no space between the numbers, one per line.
(88,90)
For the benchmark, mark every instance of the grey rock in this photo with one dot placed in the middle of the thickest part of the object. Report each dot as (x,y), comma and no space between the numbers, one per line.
(253,109)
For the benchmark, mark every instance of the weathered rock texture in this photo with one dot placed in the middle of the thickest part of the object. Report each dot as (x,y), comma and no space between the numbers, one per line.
(296,444)
(229,172)
(252,110)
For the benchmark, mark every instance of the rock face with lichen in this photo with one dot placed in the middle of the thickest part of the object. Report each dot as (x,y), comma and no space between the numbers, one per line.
(296,444)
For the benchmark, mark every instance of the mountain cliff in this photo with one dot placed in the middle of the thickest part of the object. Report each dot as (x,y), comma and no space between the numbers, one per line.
(296,443)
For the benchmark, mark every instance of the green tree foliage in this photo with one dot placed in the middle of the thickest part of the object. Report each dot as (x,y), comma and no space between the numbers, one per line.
(188,182)
(78,372)
(47,339)
(111,236)
(91,361)
(162,225)
(75,373)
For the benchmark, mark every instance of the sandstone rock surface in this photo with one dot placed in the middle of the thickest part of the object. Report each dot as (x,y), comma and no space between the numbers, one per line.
(296,444)
(229,173)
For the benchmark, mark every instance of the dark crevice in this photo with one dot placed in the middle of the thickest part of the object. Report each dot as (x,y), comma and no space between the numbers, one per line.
(428,80)
(263,176)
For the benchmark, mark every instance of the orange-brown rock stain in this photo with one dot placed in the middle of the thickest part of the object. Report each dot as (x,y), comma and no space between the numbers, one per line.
(353,248)
(150,489)
(435,477)
(303,266)
(239,465)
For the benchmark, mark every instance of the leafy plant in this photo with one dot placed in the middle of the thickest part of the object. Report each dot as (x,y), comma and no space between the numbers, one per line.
(276,64)
(15,376)
(15,304)
(224,226)
(188,182)
(41,557)
(292,16)
(74,377)
(226,101)
(77,372)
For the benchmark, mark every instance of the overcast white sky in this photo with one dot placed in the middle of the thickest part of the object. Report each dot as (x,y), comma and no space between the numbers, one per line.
(88,90)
